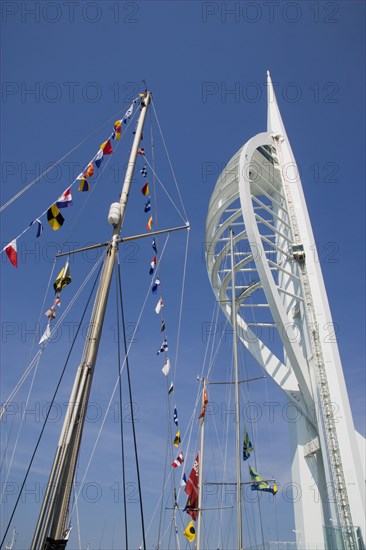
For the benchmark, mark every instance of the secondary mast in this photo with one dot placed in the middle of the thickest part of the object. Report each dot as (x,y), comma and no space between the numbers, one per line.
(237,404)
(52,531)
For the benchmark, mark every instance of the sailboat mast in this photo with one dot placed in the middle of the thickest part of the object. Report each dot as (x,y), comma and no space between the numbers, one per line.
(52,531)
(200,469)
(237,403)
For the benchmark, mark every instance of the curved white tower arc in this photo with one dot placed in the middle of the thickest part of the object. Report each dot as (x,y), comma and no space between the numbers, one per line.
(285,322)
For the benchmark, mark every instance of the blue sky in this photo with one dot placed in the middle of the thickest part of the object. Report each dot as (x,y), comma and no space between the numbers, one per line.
(67,70)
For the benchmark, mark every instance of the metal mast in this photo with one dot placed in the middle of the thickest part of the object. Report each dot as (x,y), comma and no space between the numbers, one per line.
(237,404)
(200,469)
(52,531)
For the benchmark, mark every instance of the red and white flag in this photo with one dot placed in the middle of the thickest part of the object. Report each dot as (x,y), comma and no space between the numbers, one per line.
(12,253)
(178,461)
(50,313)
(65,200)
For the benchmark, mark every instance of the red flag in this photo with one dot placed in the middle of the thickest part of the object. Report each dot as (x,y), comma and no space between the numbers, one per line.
(106,147)
(12,253)
(192,490)
(89,171)
(141,151)
(145,189)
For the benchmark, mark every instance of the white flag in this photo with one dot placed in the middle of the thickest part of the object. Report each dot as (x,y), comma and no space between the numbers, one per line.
(159,305)
(166,367)
(46,335)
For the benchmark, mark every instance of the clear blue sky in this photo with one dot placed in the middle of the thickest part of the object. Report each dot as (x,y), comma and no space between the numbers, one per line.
(66,69)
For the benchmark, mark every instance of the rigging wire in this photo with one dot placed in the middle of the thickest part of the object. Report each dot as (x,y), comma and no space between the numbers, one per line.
(91,455)
(165,190)
(56,163)
(50,408)
(54,330)
(131,404)
(121,410)
(168,156)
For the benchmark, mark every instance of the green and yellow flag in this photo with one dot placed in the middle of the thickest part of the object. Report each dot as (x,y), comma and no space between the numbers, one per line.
(258,483)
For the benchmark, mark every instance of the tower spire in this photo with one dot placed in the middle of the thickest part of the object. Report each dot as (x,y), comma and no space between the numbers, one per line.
(274,120)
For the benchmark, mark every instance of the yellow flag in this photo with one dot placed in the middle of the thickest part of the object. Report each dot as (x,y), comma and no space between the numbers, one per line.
(63,278)
(176,441)
(190,532)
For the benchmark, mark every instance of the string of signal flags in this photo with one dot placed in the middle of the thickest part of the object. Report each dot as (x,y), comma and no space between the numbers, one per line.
(53,212)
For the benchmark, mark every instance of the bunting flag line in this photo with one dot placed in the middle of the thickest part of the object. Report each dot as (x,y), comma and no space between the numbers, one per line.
(162,328)
(175,416)
(258,483)
(153,244)
(149,224)
(171,388)
(63,279)
(163,348)
(178,461)
(143,171)
(155,286)
(83,185)
(166,367)
(12,253)
(39,227)
(57,300)
(247,445)
(89,171)
(183,481)
(65,200)
(152,265)
(176,441)
(99,158)
(46,335)
(106,147)
(118,128)
(190,532)
(141,151)
(145,189)
(55,218)
(147,206)
(205,401)
(192,490)
(159,306)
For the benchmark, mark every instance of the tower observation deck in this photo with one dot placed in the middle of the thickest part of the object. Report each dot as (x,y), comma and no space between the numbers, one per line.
(280,291)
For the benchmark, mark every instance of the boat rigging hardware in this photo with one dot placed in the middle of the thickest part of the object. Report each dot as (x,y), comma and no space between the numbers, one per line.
(240,381)
(125,239)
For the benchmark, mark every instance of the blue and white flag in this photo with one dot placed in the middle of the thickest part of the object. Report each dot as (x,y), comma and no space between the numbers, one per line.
(163,347)
(39,227)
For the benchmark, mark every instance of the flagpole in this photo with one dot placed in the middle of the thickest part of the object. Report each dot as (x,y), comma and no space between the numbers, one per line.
(52,531)
(237,404)
(200,469)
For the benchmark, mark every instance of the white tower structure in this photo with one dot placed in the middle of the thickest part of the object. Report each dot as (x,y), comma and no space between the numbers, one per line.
(284,320)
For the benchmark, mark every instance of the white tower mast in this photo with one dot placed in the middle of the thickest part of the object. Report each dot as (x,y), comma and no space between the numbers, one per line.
(260,191)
